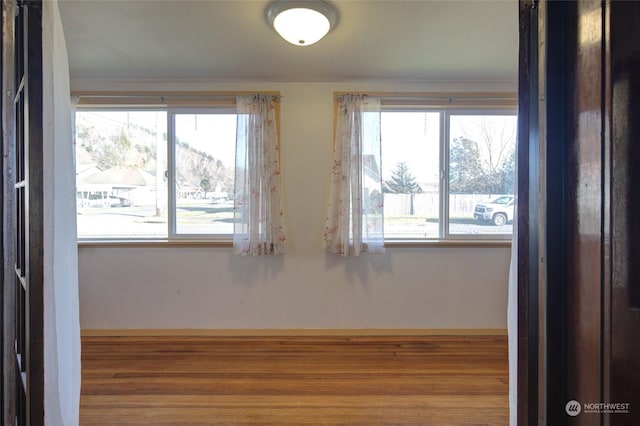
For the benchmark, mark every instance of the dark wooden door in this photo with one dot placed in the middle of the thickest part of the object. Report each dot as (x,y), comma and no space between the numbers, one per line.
(22,119)
(624,361)
(586,202)
(581,298)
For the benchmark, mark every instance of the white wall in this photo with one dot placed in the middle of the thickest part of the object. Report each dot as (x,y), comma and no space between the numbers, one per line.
(189,287)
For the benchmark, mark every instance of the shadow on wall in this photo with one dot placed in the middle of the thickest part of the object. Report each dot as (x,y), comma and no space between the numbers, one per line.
(358,269)
(249,270)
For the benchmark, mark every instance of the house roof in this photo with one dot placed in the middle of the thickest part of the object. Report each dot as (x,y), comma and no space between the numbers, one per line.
(125,176)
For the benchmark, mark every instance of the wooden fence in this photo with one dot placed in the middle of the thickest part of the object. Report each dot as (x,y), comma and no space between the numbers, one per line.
(427,204)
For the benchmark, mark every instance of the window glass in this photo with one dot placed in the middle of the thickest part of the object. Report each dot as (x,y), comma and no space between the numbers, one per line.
(481,174)
(411,174)
(477,149)
(121,189)
(204,176)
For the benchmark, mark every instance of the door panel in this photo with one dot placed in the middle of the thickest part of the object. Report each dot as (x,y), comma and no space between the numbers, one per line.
(585,210)
(625,207)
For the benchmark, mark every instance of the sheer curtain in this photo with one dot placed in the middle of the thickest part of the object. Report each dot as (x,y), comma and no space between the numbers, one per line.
(512,327)
(60,286)
(355,215)
(258,225)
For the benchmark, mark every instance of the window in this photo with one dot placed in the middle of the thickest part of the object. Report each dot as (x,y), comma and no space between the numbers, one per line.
(121,189)
(411,174)
(447,173)
(481,163)
(155,173)
(204,172)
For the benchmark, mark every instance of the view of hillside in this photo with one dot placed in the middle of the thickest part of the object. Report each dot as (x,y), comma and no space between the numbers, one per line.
(137,139)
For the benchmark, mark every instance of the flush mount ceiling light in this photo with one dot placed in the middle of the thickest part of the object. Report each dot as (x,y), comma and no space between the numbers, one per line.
(302,22)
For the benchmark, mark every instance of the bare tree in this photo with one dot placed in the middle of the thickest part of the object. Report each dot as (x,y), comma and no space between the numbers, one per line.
(495,141)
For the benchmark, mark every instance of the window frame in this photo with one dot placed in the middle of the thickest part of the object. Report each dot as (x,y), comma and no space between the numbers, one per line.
(447,106)
(170,103)
(445,171)
(172,200)
(117,108)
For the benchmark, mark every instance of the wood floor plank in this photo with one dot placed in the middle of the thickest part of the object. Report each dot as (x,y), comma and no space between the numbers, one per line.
(369,380)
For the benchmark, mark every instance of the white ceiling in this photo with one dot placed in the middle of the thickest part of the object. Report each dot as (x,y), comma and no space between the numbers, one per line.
(231,40)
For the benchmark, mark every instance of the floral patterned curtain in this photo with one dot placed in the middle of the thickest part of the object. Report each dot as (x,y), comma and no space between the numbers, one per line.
(258,218)
(355,216)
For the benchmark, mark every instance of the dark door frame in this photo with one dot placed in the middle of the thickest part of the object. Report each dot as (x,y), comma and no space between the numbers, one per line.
(527,213)
(22,214)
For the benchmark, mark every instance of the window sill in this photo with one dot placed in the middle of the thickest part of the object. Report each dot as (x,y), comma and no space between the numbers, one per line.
(155,243)
(228,243)
(446,243)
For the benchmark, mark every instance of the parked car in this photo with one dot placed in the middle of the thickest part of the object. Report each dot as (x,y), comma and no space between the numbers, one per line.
(100,199)
(118,201)
(498,211)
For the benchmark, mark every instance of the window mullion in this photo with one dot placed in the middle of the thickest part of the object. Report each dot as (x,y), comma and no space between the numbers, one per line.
(171,175)
(444,174)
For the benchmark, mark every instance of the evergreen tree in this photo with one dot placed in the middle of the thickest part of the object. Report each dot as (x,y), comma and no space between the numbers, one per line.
(205,184)
(465,167)
(508,173)
(402,181)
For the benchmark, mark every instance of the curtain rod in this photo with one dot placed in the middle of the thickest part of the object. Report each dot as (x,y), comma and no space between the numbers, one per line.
(169,95)
(449,96)
(446,98)
(502,100)
(163,99)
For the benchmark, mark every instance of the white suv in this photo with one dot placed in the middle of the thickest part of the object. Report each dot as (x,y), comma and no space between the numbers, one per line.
(498,211)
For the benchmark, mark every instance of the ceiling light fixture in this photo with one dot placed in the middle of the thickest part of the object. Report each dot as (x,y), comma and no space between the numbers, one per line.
(302,22)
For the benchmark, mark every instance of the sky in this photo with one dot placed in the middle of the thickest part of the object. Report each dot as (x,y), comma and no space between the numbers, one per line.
(412,137)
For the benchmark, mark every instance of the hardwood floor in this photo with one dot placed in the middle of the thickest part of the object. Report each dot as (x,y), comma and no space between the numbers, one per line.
(433,380)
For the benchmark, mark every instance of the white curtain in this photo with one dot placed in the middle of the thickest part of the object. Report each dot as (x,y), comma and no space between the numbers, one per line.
(258,225)
(61,303)
(355,215)
(512,328)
